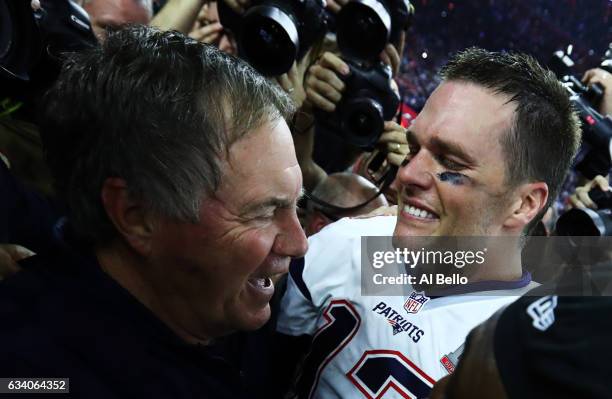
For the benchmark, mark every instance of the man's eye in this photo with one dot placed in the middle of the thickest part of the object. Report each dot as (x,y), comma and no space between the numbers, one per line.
(450,164)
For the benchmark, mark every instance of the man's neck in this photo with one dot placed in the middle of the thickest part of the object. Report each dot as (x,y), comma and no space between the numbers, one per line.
(128,270)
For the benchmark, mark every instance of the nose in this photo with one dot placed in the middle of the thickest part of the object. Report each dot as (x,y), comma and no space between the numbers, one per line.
(417,172)
(291,240)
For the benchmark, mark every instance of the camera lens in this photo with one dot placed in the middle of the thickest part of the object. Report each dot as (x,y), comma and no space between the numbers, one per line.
(585,222)
(269,40)
(363,121)
(363,29)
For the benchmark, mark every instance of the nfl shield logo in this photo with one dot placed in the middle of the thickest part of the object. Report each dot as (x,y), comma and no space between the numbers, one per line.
(415,302)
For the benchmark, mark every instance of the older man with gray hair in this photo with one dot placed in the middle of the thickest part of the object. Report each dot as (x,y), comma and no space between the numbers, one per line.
(181,182)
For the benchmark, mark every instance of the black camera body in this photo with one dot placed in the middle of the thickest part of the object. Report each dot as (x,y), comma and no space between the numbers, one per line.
(364,27)
(596,128)
(588,222)
(32,43)
(367,102)
(273,34)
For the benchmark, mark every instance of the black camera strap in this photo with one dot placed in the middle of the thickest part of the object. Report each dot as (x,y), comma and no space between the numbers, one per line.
(386,179)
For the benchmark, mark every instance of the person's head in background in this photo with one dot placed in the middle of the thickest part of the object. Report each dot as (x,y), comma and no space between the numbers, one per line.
(343,190)
(537,347)
(108,15)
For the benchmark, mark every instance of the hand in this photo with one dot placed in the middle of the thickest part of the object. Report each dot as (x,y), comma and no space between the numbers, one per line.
(391,57)
(291,82)
(581,199)
(598,75)
(323,86)
(208,34)
(393,142)
(10,254)
(335,5)
(238,5)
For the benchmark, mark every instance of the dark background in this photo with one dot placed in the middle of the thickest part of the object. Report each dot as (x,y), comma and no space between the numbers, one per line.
(539,28)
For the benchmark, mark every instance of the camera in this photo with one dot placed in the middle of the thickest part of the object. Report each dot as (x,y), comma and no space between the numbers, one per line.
(367,102)
(596,128)
(32,43)
(364,27)
(273,34)
(588,222)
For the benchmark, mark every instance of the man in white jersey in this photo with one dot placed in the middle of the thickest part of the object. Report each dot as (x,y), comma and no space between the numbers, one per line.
(488,154)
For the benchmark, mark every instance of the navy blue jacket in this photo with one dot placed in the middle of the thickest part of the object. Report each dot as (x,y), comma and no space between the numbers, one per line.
(62,316)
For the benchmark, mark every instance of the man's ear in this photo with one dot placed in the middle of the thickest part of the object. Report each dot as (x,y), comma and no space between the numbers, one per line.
(532,199)
(128,215)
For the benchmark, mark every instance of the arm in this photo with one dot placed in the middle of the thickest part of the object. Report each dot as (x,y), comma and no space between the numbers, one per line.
(178,15)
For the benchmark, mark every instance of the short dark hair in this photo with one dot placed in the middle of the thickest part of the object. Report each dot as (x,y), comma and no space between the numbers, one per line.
(545,134)
(159,110)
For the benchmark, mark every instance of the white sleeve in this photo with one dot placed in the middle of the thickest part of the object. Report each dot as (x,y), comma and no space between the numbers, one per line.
(298,315)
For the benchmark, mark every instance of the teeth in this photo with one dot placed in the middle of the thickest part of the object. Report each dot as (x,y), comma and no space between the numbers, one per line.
(420,213)
(263,282)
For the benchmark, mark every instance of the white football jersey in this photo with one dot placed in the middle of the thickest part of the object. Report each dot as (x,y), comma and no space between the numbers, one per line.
(368,346)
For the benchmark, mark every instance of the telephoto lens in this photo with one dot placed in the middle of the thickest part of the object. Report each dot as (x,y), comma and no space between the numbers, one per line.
(273,34)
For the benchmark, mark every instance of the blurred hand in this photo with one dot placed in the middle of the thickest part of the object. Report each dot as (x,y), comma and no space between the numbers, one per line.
(391,57)
(581,199)
(238,5)
(393,142)
(291,82)
(10,254)
(208,34)
(335,5)
(323,86)
(598,75)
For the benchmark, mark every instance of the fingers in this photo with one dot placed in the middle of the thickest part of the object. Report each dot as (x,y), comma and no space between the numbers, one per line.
(335,63)
(317,72)
(319,101)
(395,159)
(595,75)
(9,256)
(602,183)
(323,86)
(581,199)
(335,5)
(284,82)
(390,56)
(207,34)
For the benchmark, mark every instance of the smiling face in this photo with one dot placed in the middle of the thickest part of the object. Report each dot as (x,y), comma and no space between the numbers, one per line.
(218,272)
(453,180)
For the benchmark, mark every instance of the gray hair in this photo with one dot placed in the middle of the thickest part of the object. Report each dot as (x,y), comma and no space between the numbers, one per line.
(156,109)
